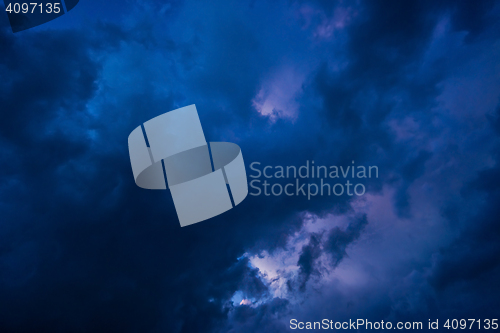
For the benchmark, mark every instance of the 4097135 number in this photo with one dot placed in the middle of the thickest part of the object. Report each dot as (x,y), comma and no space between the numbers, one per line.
(463,324)
(33,8)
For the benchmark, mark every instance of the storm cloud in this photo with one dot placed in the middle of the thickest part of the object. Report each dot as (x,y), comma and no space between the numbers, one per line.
(412,87)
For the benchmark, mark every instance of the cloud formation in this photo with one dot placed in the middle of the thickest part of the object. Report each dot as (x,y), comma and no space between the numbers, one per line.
(412,87)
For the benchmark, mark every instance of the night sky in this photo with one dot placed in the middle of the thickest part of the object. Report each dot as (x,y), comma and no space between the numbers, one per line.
(412,87)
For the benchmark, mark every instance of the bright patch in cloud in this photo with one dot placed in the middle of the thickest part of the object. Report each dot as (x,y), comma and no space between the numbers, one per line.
(277,95)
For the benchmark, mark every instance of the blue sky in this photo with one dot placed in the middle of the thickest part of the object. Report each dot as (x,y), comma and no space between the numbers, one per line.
(412,87)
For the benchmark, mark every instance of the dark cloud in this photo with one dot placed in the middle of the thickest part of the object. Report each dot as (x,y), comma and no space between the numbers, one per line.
(334,244)
(83,249)
(465,270)
(338,239)
(495,120)
(410,171)
(472,17)
(310,253)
